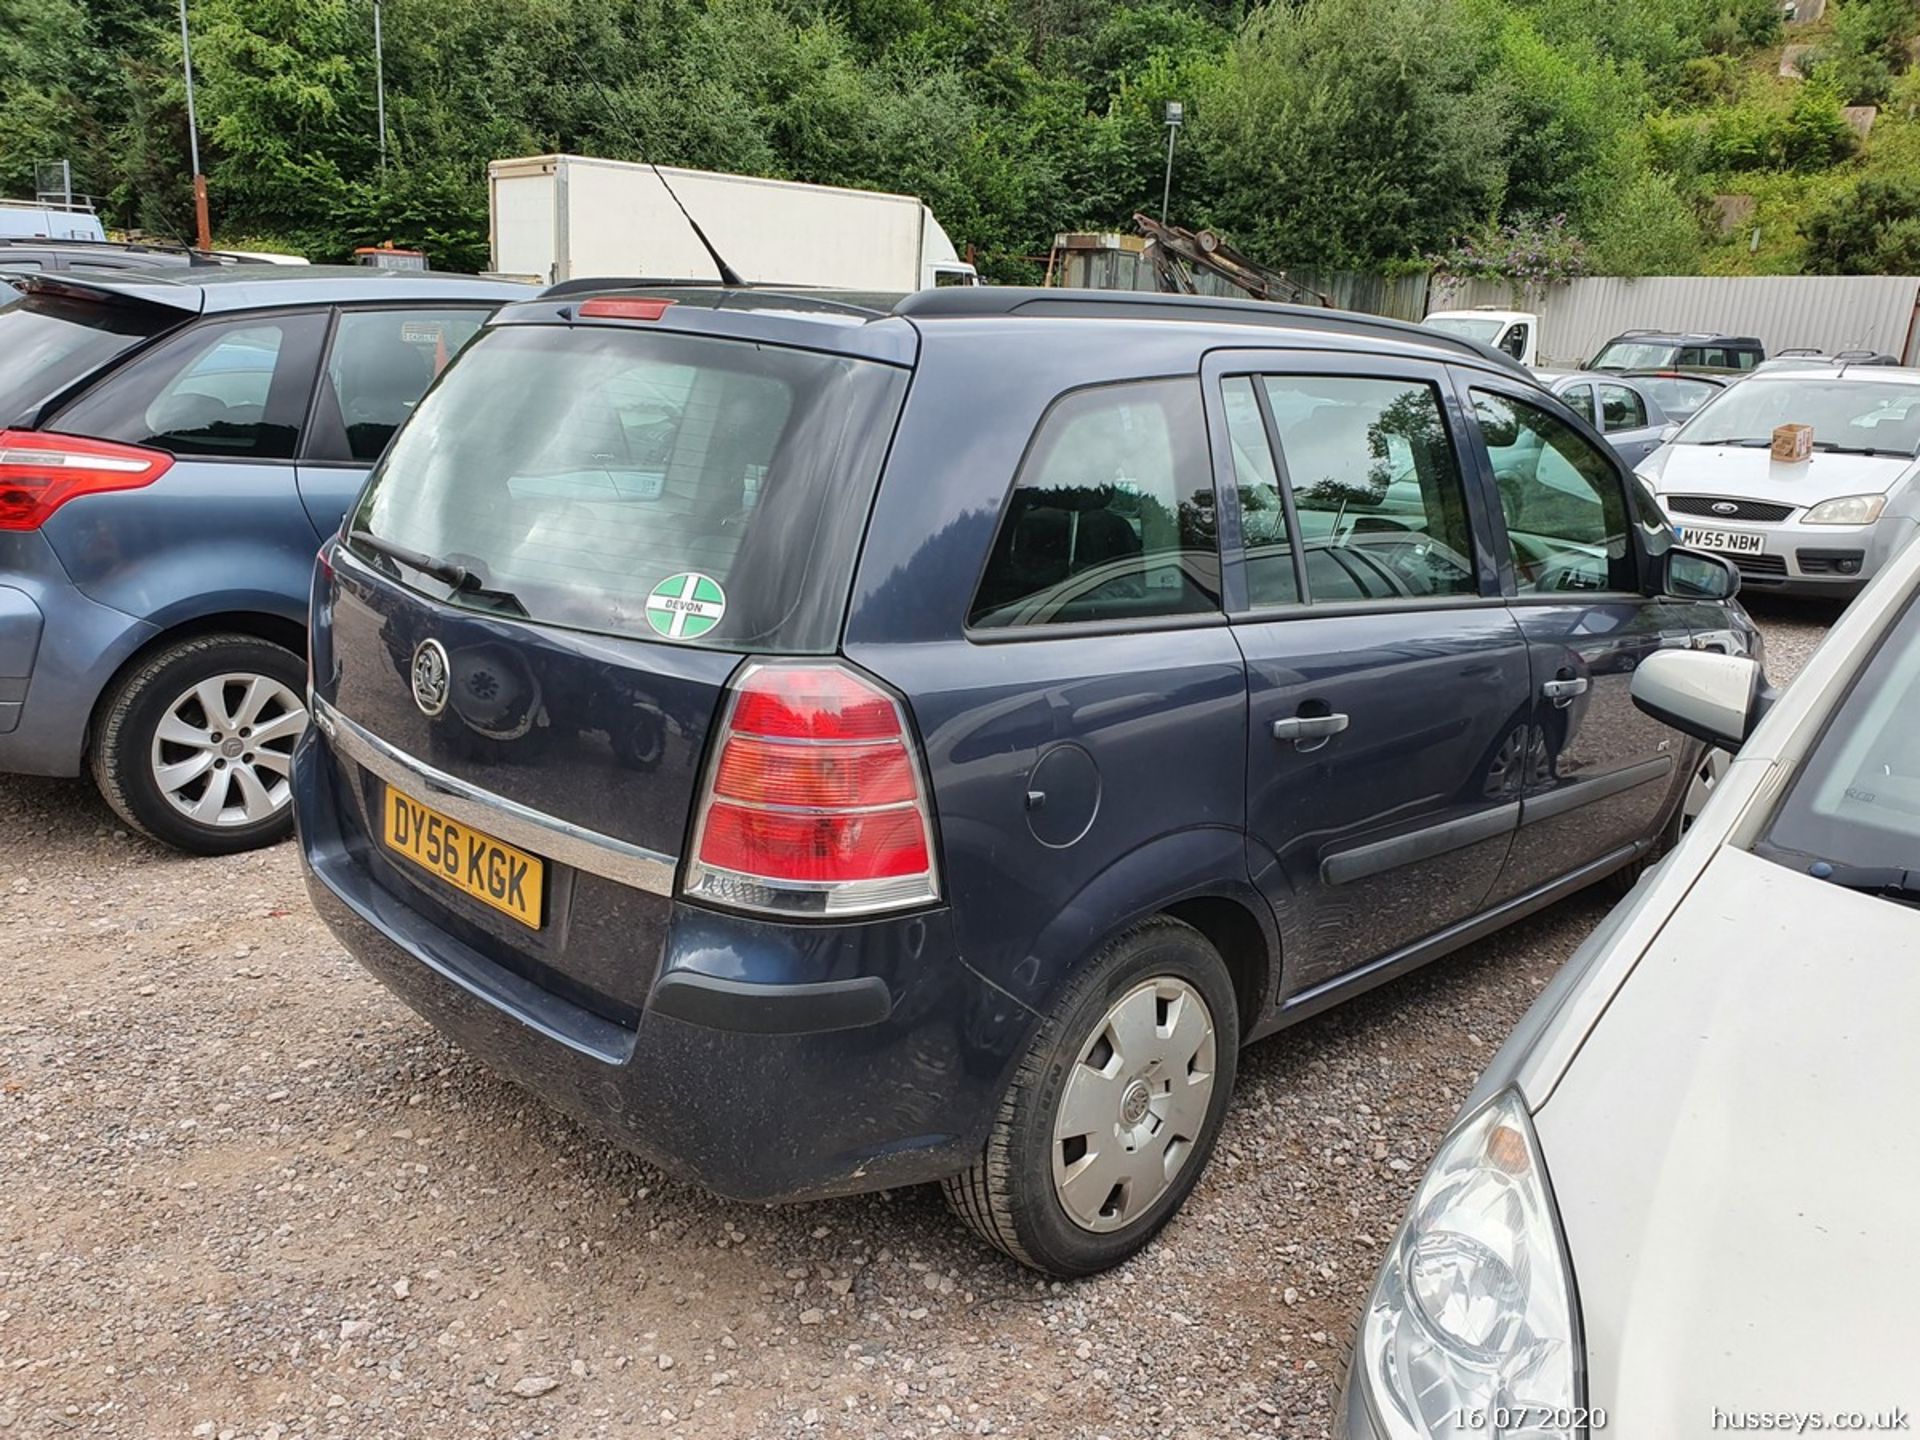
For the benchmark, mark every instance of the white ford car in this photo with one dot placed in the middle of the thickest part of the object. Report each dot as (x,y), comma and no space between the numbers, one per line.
(1680,1200)
(1819,526)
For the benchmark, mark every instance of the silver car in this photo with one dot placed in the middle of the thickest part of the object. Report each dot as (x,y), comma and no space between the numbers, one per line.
(1622,408)
(1680,1200)
(1819,526)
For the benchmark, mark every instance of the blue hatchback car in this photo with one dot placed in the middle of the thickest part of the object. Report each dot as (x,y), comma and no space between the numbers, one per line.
(173,447)
(833,745)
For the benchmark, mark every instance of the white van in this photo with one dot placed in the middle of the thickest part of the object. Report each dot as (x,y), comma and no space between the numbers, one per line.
(1515,331)
(33,220)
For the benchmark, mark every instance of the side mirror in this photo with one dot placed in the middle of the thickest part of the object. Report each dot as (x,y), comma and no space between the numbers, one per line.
(1667,432)
(1712,697)
(1696,575)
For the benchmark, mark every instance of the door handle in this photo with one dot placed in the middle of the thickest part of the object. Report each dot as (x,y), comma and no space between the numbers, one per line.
(1309,727)
(1561,692)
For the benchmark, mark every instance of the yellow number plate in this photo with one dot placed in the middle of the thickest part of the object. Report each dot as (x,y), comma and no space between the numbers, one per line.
(490,870)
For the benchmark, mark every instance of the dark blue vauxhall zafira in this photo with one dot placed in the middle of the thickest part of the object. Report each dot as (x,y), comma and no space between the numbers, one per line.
(832,743)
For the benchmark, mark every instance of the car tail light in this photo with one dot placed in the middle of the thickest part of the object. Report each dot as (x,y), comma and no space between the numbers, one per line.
(40,473)
(816,798)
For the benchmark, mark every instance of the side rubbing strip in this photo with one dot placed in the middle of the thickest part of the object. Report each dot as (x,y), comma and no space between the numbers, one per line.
(1381,856)
(1584,792)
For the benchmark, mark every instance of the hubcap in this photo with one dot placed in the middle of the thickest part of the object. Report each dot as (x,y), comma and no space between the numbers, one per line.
(223,753)
(1134,1104)
(1700,789)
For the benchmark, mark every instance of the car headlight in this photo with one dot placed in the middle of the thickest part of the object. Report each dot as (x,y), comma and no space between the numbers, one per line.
(1471,1329)
(1847,510)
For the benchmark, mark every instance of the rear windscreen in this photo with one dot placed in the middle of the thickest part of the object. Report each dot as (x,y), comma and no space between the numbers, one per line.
(48,342)
(672,487)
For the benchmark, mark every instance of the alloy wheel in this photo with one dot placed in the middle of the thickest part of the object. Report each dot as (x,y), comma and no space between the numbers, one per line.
(223,753)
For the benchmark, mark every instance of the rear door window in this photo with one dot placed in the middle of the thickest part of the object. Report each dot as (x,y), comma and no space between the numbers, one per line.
(1111,516)
(602,477)
(1623,408)
(233,389)
(379,366)
(1579,399)
(51,342)
(1376,487)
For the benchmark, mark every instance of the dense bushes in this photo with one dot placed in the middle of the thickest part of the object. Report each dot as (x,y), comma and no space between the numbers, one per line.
(1872,229)
(1321,133)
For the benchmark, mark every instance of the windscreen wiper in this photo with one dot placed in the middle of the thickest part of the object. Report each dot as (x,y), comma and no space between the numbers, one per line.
(462,580)
(1834,448)
(1887,881)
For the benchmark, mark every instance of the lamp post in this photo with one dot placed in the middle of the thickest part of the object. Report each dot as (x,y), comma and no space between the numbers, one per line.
(193,138)
(380,83)
(1176,115)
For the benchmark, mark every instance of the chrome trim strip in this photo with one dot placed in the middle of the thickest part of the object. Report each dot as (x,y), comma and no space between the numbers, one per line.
(509,820)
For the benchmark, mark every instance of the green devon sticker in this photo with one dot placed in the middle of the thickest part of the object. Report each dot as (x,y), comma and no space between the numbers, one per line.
(687,605)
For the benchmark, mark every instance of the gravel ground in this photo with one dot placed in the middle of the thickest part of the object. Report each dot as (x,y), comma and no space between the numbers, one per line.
(244,1192)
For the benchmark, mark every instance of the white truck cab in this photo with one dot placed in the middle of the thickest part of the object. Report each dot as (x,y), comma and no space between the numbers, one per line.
(1515,331)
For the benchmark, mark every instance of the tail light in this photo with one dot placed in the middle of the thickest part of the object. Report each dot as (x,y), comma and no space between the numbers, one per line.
(816,799)
(40,473)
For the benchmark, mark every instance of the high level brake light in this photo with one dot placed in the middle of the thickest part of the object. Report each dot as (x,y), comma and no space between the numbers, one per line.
(617,308)
(40,473)
(816,799)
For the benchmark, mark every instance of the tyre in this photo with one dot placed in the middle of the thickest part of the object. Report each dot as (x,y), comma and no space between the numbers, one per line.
(195,748)
(1113,1112)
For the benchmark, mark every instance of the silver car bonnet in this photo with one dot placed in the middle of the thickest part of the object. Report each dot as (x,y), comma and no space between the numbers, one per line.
(1753,474)
(1735,1158)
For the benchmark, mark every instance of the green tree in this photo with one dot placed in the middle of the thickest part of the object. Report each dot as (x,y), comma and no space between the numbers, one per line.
(42,63)
(1872,229)
(1815,134)
(1648,229)
(1354,132)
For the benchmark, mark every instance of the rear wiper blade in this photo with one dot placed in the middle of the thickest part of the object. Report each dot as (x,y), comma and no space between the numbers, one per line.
(1886,880)
(457,576)
(462,580)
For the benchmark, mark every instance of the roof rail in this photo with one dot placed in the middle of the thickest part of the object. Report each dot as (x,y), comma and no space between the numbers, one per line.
(194,255)
(960,301)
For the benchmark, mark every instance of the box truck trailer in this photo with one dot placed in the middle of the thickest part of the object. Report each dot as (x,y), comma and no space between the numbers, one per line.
(561,217)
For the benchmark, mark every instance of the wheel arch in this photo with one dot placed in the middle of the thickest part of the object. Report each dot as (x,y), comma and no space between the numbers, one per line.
(276,629)
(1197,876)
(1251,949)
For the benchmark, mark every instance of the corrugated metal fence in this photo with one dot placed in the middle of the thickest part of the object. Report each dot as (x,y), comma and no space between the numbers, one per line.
(1403,297)
(1824,312)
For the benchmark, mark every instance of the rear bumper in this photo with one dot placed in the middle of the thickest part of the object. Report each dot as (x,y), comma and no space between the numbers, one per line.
(747,1071)
(58,650)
